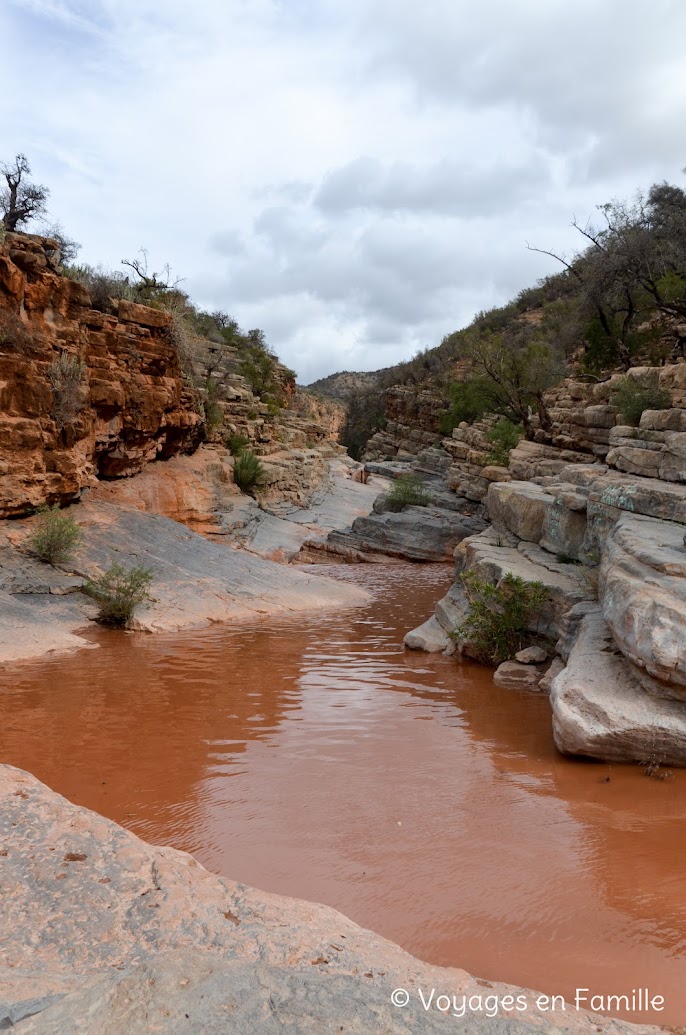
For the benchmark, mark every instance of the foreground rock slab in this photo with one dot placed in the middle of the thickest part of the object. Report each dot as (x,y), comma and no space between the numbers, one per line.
(104,934)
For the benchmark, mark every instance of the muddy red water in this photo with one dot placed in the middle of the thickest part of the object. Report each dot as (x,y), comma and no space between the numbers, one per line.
(314,757)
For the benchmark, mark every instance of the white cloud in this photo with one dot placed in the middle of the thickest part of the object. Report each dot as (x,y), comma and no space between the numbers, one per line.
(357,178)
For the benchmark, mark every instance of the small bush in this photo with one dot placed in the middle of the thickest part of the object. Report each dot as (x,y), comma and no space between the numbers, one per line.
(66,376)
(247,470)
(214,416)
(503,437)
(118,592)
(407,491)
(633,395)
(236,443)
(496,625)
(102,285)
(55,536)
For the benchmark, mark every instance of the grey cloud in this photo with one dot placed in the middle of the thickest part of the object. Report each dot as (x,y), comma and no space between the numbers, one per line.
(452,186)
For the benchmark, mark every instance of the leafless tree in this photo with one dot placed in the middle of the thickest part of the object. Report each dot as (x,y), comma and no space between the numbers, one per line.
(20,200)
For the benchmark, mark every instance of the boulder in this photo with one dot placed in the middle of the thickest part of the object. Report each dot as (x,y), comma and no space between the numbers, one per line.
(556,666)
(430,637)
(642,590)
(532,655)
(601,710)
(514,675)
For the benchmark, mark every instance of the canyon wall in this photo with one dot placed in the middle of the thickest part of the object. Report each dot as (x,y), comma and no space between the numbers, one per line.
(88,393)
(83,394)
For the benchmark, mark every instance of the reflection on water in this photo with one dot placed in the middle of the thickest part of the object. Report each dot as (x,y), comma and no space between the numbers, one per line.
(313,756)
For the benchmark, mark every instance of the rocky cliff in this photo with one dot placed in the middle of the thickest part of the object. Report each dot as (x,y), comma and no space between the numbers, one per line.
(83,394)
(90,394)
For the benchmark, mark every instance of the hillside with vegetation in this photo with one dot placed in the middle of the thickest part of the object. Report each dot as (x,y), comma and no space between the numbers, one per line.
(619,302)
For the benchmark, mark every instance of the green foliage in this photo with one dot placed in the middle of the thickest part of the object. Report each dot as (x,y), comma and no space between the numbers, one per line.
(633,395)
(469,401)
(259,366)
(55,536)
(497,623)
(247,470)
(407,491)
(118,592)
(236,443)
(503,437)
(66,376)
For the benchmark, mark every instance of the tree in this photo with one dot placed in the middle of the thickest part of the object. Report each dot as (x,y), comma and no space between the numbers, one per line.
(20,200)
(633,270)
(513,371)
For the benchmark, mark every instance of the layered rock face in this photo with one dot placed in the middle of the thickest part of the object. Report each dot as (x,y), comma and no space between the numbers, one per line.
(117,401)
(411,424)
(609,550)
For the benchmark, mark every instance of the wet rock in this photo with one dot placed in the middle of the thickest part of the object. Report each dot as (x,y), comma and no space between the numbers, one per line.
(195,582)
(430,637)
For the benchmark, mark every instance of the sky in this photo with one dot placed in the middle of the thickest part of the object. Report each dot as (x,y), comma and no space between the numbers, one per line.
(356,177)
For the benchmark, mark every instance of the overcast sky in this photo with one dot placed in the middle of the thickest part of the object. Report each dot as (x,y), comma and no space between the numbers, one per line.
(357,177)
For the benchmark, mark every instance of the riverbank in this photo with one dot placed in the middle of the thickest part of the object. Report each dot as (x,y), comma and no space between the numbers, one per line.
(139,939)
(222,574)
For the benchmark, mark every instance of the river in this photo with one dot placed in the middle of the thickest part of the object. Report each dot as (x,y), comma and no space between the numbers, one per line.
(313,756)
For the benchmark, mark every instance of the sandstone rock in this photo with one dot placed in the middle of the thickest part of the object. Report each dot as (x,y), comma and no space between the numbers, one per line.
(519,507)
(556,666)
(513,675)
(134,406)
(532,655)
(643,594)
(195,582)
(601,710)
(430,637)
(565,584)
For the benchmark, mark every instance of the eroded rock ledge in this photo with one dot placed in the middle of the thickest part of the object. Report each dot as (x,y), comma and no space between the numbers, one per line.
(104,934)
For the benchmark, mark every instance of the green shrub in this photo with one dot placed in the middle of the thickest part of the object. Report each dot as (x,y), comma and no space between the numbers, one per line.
(118,592)
(496,625)
(633,395)
(469,401)
(407,491)
(214,415)
(503,437)
(55,536)
(236,443)
(247,470)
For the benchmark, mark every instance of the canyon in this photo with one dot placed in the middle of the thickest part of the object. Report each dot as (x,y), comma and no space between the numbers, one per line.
(591,509)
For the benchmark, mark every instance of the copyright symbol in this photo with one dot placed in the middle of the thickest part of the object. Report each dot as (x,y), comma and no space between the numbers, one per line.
(400,997)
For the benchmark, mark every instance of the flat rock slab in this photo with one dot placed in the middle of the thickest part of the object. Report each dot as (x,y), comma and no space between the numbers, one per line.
(195,582)
(103,934)
(415,533)
(601,710)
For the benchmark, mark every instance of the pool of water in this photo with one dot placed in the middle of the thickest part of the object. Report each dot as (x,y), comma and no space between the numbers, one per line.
(314,756)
